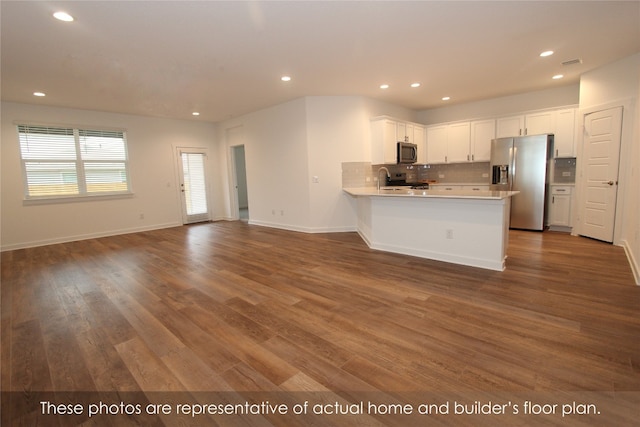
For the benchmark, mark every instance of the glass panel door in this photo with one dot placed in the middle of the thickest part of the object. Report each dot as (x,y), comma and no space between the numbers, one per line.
(193,186)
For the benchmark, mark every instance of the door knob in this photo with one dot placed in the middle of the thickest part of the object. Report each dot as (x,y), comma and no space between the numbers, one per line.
(610,182)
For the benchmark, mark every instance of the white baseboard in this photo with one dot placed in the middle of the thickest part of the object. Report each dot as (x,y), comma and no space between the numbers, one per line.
(312,230)
(633,262)
(88,236)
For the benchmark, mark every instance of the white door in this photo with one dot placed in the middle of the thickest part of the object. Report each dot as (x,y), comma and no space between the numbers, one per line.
(193,185)
(602,131)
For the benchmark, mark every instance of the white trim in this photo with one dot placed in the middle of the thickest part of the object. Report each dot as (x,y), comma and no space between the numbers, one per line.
(88,236)
(633,263)
(46,200)
(309,230)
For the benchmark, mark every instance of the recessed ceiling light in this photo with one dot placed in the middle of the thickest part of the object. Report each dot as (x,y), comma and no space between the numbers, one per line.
(384,86)
(63,16)
(38,94)
(446,98)
(285,78)
(195,113)
(546,53)
(415,84)
(557,76)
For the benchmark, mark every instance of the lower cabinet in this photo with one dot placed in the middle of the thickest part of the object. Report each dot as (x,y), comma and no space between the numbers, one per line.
(560,207)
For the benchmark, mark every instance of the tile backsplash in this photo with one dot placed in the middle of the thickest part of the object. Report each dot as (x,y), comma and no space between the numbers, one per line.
(364,174)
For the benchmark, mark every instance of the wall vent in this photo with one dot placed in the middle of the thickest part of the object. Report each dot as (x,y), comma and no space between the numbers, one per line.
(572,61)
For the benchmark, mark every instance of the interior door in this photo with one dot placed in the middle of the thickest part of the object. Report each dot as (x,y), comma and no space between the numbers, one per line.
(599,182)
(193,185)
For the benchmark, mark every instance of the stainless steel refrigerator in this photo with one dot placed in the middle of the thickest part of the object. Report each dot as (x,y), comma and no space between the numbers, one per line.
(522,164)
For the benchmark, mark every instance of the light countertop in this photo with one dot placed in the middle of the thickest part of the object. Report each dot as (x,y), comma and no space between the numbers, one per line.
(431,193)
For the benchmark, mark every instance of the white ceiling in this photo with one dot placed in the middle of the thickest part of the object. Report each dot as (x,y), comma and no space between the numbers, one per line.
(223,59)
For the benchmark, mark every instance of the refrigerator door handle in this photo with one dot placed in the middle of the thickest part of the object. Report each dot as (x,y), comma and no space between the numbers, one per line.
(514,168)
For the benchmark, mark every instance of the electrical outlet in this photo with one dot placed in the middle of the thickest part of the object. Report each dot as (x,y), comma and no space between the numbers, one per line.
(141,216)
(449,234)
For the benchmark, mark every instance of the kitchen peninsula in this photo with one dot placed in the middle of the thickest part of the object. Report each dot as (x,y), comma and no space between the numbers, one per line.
(461,227)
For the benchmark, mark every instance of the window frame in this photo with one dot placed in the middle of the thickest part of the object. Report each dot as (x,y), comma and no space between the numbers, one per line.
(81,176)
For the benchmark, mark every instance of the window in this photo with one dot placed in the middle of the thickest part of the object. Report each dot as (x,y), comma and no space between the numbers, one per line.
(64,162)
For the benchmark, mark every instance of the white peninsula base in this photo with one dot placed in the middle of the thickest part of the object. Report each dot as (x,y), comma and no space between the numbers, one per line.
(463,230)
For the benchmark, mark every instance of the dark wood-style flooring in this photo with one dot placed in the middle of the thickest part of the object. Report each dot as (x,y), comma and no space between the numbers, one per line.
(233,308)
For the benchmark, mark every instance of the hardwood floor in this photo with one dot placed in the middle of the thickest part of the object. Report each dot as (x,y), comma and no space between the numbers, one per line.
(229,312)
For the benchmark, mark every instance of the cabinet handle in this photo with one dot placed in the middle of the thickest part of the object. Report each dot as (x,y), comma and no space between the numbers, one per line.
(556,152)
(553,199)
(468,158)
(473,157)
(446,159)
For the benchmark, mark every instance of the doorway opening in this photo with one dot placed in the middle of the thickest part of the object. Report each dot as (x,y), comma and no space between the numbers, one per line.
(240,168)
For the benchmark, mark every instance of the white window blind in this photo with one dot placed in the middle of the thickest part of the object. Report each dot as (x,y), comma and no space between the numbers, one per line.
(62,162)
(195,191)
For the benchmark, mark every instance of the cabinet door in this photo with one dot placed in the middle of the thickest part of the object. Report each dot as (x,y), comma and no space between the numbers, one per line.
(482,132)
(458,140)
(560,211)
(401,132)
(383,141)
(539,123)
(437,144)
(419,138)
(560,207)
(509,126)
(564,140)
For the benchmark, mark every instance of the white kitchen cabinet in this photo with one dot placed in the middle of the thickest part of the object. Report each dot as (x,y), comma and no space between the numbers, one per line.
(560,206)
(539,123)
(458,142)
(477,187)
(482,132)
(448,143)
(527,124)
(565,133)
(509,126)
(445,187)
(437,144)
(385,134)
(383,141)
(420,139)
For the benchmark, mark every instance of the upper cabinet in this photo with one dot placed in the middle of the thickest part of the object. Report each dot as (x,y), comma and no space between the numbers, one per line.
(460,142)
(528,124)
(448,143)
(509,126)
(561,123)
(564,141)
(482,132)
(385,134)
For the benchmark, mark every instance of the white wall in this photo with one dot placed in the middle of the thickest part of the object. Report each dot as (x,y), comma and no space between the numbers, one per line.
(151,143)
(287,145)
(618,84)
(275,141)
(503,106)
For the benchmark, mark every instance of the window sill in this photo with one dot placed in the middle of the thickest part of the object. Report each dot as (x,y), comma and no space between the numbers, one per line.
(74,199)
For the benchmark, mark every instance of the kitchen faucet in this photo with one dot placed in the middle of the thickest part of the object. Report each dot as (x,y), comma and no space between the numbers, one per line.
(388,175)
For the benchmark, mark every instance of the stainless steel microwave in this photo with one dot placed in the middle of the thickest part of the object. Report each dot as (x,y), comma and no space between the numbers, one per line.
(407,153)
